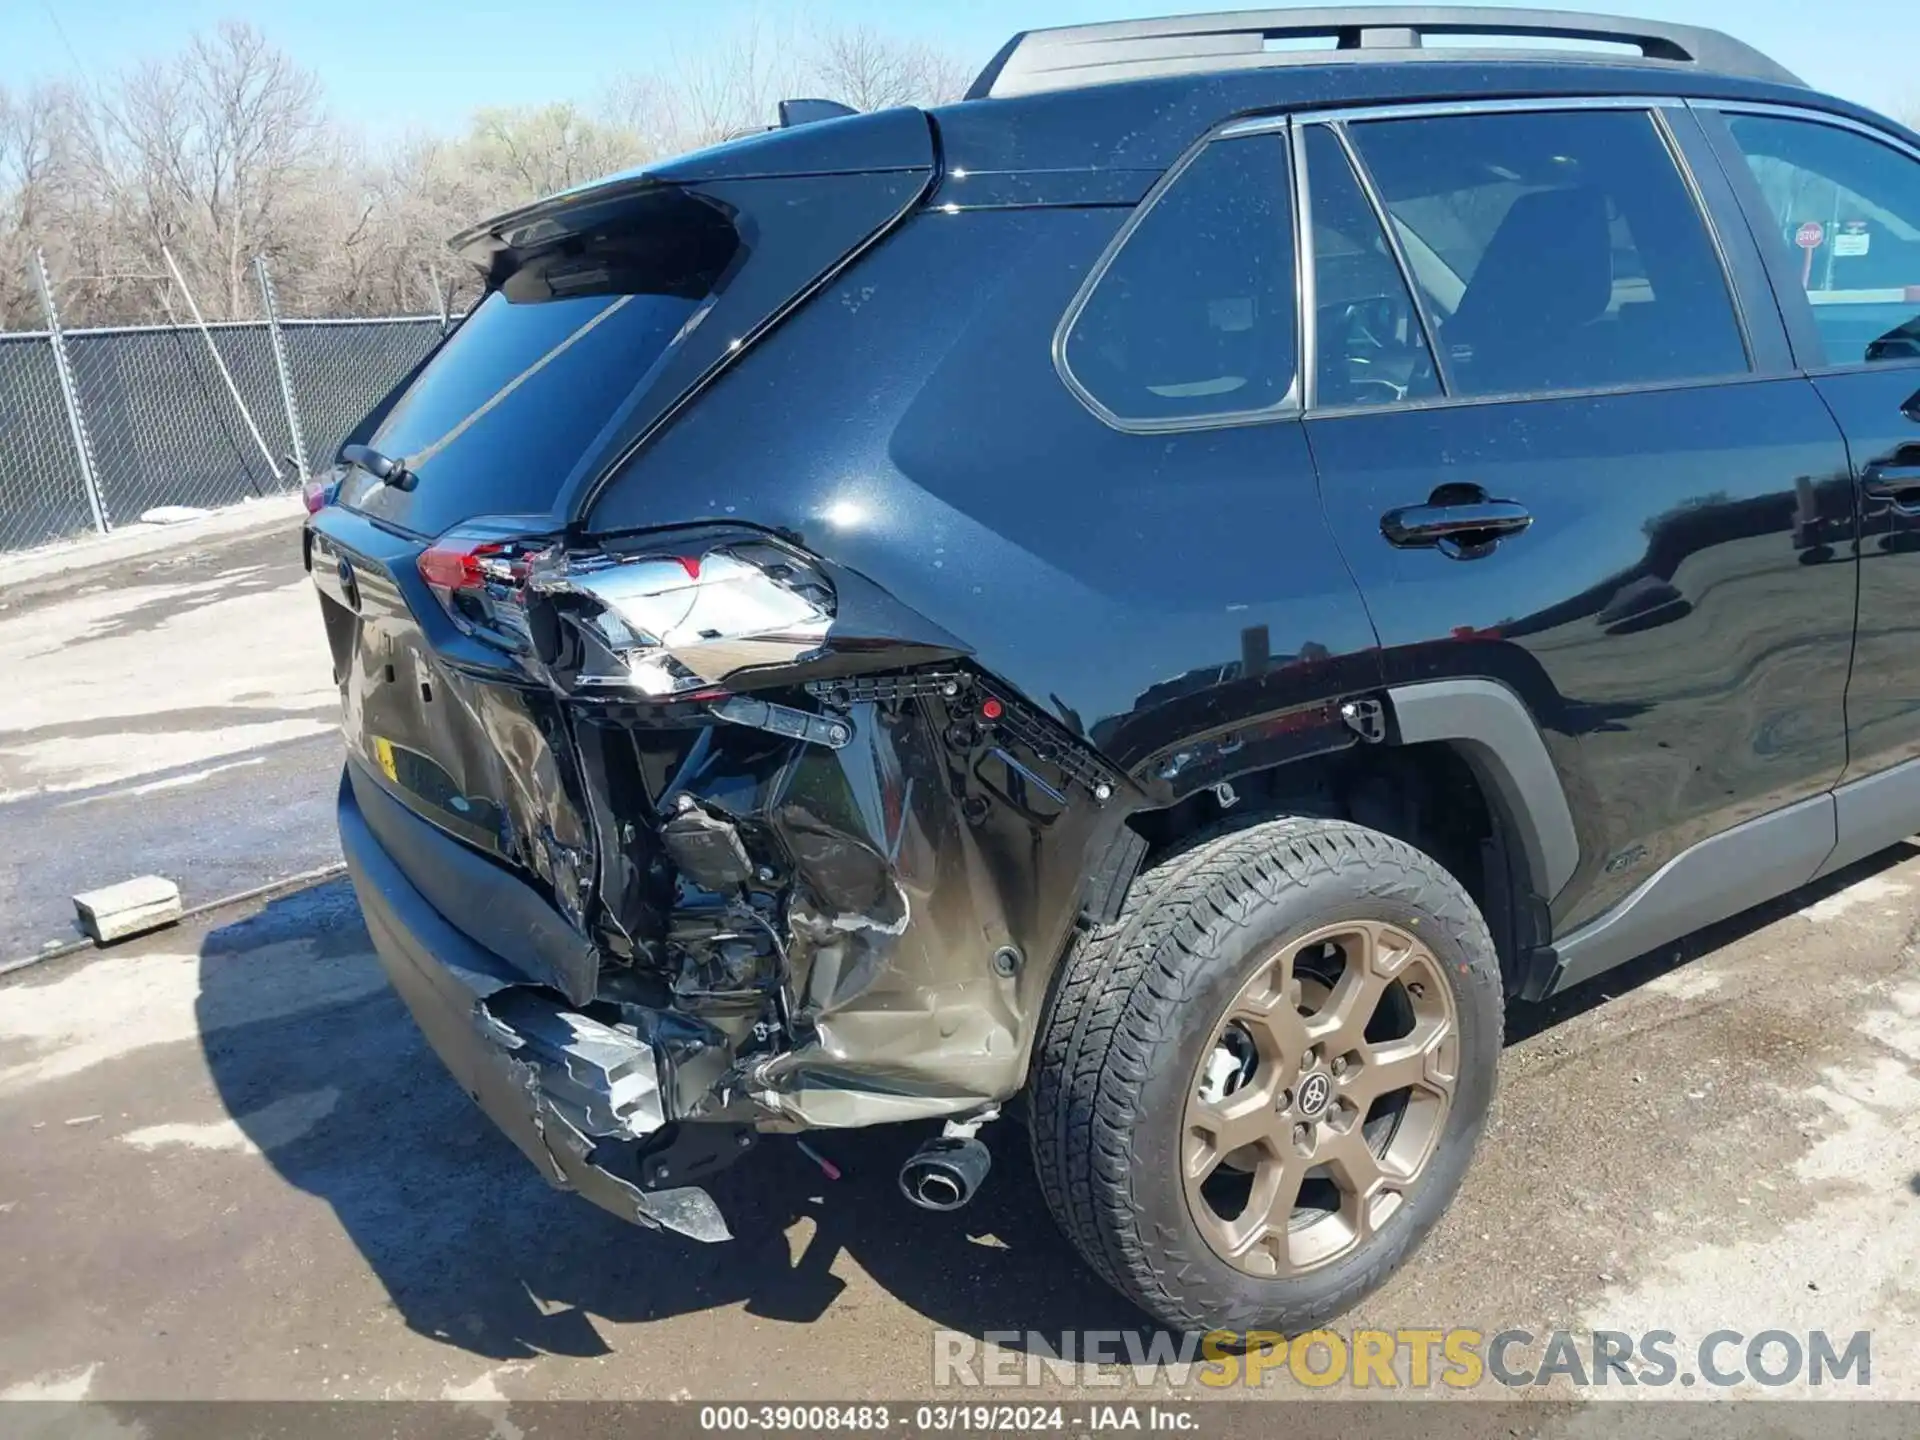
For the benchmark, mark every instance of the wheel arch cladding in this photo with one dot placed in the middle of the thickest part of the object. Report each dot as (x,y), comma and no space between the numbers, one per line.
(1492,729)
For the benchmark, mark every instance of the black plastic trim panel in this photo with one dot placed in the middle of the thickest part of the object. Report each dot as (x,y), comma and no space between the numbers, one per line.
(1500,741)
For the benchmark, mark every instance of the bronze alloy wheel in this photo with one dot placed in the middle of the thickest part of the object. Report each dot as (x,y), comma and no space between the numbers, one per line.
(1317,1106)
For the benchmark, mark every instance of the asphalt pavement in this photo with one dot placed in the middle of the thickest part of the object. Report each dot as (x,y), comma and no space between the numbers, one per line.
(170,712)
(230,1168)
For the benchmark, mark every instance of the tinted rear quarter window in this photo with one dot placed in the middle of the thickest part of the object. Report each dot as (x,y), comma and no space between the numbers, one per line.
(1560,250)
(1193,318)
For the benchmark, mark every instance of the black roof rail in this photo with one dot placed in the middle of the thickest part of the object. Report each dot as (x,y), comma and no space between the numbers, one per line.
(1077,55)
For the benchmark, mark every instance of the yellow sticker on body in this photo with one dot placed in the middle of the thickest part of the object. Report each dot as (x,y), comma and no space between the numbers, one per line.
(383,757)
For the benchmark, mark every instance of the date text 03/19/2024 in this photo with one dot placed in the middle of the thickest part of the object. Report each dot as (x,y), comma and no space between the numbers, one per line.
(964,1418)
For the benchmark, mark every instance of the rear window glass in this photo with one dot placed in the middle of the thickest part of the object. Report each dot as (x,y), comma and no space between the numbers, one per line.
(498,418)
(1194,319)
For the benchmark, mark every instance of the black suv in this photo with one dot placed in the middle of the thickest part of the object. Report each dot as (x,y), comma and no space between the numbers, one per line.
(1157,597)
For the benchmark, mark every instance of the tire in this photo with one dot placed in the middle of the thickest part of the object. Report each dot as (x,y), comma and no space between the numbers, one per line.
(1136,1009)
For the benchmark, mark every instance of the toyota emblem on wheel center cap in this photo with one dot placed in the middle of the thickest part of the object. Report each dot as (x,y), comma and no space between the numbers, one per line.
(1315,1093)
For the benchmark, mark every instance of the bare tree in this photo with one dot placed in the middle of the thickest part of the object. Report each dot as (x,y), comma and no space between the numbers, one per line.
(703,97)
(225,150)
(36,156)
(870,71)
(219,154)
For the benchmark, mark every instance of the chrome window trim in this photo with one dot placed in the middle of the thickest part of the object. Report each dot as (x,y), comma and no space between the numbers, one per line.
(1395,248)
(1812,116)
(1430,109)
(1651,106)
(1288,407)
(1299,401)
(1808,112)
(1677,152)
(1305,285)
(1530,397)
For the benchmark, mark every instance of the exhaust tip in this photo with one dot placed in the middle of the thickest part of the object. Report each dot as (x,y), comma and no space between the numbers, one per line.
(945,1173)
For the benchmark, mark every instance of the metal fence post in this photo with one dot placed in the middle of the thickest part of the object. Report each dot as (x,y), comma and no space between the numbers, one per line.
(220,364)
(271,303)
(70,393)
(440,297)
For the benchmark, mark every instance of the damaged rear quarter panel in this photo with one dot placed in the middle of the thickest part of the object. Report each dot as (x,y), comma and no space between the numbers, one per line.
(449,728)
(1135,590)
(855,918)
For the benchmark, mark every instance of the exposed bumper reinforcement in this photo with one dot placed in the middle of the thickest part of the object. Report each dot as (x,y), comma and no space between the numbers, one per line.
(556,1082)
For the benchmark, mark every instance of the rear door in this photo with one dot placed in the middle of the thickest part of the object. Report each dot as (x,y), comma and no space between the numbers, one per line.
(1836,205)
(1577,460)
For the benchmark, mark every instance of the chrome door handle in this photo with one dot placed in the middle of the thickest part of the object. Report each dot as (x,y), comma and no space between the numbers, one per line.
(1476,525)
(1898,483)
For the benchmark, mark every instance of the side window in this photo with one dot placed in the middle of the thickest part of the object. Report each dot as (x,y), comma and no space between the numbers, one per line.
(1369,348)
(1193,319)
(1846,210)
(1557,250)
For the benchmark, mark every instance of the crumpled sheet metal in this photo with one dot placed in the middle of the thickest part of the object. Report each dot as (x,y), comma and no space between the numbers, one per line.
(584,1082)
(893,922)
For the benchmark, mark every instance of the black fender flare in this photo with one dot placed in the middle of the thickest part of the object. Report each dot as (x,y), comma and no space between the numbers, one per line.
(1497,736)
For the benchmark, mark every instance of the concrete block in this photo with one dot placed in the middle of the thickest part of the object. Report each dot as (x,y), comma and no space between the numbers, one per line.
(129,908)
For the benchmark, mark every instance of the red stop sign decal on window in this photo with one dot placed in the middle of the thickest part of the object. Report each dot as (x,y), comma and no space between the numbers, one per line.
(1811,235)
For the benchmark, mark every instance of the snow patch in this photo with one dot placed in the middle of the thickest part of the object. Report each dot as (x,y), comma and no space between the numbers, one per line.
(482,1395)
(1847,1263)
(57,1385)
(1874,887)
(267,1128)
(1688,983)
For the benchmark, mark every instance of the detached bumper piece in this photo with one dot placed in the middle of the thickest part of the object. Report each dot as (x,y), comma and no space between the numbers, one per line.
(572,1093)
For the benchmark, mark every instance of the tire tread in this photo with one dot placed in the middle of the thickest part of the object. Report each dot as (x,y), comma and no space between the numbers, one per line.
(1121,992)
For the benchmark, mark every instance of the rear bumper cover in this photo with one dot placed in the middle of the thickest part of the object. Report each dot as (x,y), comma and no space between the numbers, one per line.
(557,1083)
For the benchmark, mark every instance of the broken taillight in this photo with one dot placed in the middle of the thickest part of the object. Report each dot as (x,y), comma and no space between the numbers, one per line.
(676,622)
(478,573)
(316,494)
(670,623)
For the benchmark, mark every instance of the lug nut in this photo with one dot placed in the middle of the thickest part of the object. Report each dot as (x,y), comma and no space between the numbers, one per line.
(1340,1065)
(1300,1136)
(1286,1099)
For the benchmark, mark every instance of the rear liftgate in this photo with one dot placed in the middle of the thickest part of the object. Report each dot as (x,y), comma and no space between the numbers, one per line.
(824,851)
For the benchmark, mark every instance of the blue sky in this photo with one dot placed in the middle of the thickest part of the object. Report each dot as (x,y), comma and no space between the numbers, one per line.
(404,64)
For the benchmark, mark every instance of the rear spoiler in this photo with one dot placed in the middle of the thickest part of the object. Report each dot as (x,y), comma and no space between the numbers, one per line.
(814,142)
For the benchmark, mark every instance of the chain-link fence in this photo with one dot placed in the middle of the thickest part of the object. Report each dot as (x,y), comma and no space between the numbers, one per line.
(42,496)
(144,416)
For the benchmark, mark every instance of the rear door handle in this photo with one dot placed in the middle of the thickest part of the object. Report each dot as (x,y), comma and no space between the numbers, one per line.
(1898,483)
(1474,526)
